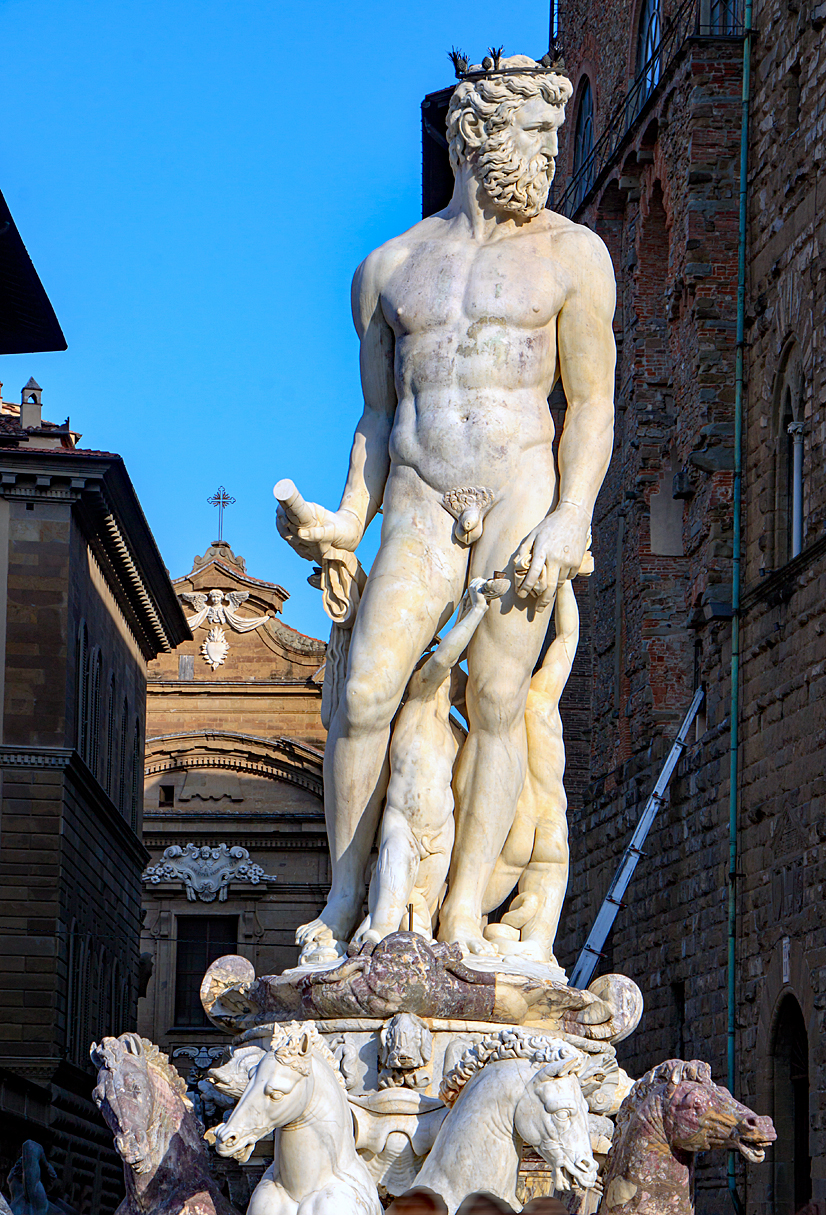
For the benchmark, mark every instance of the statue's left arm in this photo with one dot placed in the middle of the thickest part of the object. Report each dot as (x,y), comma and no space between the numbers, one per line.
(554,550)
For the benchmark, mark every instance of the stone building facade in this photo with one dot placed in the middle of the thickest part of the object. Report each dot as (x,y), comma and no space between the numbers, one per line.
(85,603)
(650,160)
(234,789)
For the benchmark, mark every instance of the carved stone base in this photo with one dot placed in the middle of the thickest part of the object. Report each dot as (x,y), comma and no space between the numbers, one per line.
(407,973)
(399,1016)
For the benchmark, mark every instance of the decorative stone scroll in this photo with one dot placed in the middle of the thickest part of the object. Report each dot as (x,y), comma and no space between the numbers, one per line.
(206,872)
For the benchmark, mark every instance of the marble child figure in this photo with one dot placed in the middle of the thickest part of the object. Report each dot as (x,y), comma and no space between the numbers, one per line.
(466,323)
(535,856)
(417,823)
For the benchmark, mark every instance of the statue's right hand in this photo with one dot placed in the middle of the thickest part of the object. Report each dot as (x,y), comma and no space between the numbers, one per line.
(312,537)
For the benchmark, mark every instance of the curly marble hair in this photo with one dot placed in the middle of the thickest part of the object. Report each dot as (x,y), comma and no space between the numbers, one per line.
(287,1046)
(494,99)
(558,1056)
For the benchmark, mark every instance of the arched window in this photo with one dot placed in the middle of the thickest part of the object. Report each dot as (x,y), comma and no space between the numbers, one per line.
(82,731)
(136,783)
(123,758)
(93,746)
(111,731)
(787,470)
(648,40)
(791,1161)
(583,140)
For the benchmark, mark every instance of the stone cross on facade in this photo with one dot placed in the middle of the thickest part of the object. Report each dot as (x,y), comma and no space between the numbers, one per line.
(222,500)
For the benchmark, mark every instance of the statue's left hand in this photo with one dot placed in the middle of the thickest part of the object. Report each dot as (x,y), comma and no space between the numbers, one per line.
(551,554)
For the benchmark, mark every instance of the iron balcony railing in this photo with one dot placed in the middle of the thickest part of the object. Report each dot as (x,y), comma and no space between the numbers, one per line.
(693,18)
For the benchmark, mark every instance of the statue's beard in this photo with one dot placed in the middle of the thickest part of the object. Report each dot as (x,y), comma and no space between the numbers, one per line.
(514,183)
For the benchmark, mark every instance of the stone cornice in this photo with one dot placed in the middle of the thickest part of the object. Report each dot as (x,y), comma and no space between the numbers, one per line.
(779,586)
(194,687)
(272,758)
(67,760)
(107,509)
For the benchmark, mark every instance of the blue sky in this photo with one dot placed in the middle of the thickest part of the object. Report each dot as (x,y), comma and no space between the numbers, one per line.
(196,183)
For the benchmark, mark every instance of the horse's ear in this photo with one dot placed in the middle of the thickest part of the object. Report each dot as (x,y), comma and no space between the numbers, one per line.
(133,1044)
(305,1043)
(676,1077)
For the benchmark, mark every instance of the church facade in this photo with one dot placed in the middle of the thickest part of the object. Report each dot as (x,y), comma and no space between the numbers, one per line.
(233,819)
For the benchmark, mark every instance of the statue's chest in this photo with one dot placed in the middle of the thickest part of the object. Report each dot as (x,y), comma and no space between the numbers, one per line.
(455,286)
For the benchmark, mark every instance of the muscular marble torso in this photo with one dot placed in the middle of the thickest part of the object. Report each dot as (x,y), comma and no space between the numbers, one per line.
(475,350)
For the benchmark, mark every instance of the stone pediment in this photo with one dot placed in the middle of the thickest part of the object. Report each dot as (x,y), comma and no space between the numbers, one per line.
(219,568)
(227,609)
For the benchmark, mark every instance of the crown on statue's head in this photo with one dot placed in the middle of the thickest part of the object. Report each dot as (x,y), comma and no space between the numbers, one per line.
(491,64)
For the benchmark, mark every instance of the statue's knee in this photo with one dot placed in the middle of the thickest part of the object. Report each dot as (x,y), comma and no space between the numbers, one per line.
(366,708)
(498,707)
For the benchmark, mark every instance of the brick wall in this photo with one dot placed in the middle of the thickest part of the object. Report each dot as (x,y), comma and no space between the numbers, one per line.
(667,209)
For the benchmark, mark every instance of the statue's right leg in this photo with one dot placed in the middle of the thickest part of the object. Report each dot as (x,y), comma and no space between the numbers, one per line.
(413,588)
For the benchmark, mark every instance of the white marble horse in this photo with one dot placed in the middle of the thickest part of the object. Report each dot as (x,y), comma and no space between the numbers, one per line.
(297,1089)
(513,1088)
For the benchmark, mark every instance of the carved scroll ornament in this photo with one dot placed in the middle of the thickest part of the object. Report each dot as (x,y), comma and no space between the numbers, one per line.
(206,872)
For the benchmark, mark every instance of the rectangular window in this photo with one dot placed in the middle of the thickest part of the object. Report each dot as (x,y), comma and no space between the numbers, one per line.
(201,939)
(166,795)
(186,666)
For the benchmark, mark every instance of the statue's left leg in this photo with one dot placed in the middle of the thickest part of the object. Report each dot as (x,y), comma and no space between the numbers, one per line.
(492,764)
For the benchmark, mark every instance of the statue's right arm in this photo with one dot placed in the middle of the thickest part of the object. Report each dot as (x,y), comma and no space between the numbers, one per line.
(370,453)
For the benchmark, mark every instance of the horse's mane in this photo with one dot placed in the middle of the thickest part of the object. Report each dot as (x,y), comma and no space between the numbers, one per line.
(671,1072)
(285,1044)
(559,1055)
(159,1062)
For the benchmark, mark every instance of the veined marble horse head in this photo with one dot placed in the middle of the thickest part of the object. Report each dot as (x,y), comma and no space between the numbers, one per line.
(278,1091)
(143,1099)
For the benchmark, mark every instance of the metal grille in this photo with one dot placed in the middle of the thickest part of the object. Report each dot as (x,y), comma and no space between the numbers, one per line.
(693,18)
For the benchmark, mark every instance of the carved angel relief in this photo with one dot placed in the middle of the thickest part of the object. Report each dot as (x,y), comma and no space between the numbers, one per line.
(211,609)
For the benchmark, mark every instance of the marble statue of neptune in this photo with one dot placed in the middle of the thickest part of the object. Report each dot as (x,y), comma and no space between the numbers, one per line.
(466,323)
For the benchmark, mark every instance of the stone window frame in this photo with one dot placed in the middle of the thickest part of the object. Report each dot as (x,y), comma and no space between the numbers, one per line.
(177,975)
(123,757)
(93,716)
(580,153)
(109,774)
(82,731)
(136,779)
(786,972)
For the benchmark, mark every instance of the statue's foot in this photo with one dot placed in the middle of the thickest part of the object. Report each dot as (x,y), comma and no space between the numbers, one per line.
(319,943)
(366,933)
(467,934)
(336,920)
